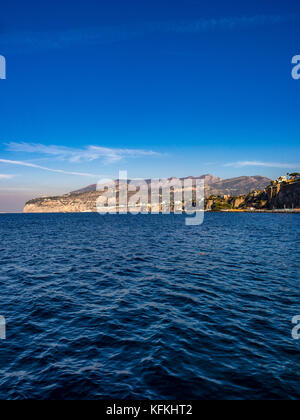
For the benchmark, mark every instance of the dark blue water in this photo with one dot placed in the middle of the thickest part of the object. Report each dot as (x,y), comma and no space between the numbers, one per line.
(101,307)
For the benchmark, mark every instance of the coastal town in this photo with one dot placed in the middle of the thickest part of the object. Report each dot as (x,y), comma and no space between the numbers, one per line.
(280,195)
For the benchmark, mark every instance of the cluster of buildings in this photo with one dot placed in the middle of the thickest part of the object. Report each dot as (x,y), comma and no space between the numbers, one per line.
(289,179)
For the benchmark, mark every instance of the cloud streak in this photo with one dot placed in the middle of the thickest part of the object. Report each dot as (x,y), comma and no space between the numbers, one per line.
(243,164)
(4,176)
(21,42)
(90,153)
(44,168)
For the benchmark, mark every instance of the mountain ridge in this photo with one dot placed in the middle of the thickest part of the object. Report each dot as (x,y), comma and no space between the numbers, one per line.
(84,200)
(208,178)
(213,185)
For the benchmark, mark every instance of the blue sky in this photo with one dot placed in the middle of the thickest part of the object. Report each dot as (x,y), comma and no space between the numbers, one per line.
(160,88)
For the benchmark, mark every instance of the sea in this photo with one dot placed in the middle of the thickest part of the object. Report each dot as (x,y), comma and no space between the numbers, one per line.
(145,307)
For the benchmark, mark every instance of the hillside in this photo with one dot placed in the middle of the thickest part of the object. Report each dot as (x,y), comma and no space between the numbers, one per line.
(208,180)
(214,185)
(84,200)
(238,186)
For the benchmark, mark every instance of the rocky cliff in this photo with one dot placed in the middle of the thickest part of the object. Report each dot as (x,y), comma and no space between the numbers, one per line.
(283,196)
(70,203)
(280,196)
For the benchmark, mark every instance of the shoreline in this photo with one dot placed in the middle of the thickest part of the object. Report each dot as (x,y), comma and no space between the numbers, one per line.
(257,211)
(280,211)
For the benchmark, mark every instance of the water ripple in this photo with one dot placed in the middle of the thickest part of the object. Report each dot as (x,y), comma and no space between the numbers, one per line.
(145,307)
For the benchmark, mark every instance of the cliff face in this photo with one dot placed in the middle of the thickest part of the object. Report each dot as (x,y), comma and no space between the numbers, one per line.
(273,197)
(65,204)
(284,195)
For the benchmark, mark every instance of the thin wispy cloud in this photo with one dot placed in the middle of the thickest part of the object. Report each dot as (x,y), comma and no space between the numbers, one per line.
(44,168)
(90,153)
(243,164)
(4,176)
(31,41)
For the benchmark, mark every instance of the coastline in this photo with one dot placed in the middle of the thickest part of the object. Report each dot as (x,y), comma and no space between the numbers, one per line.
(275,211)
(280,211)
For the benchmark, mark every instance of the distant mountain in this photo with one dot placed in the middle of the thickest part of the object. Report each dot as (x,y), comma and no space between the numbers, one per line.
(88,189)
(237,186)
(85,200)
(208,179)
(214,185)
